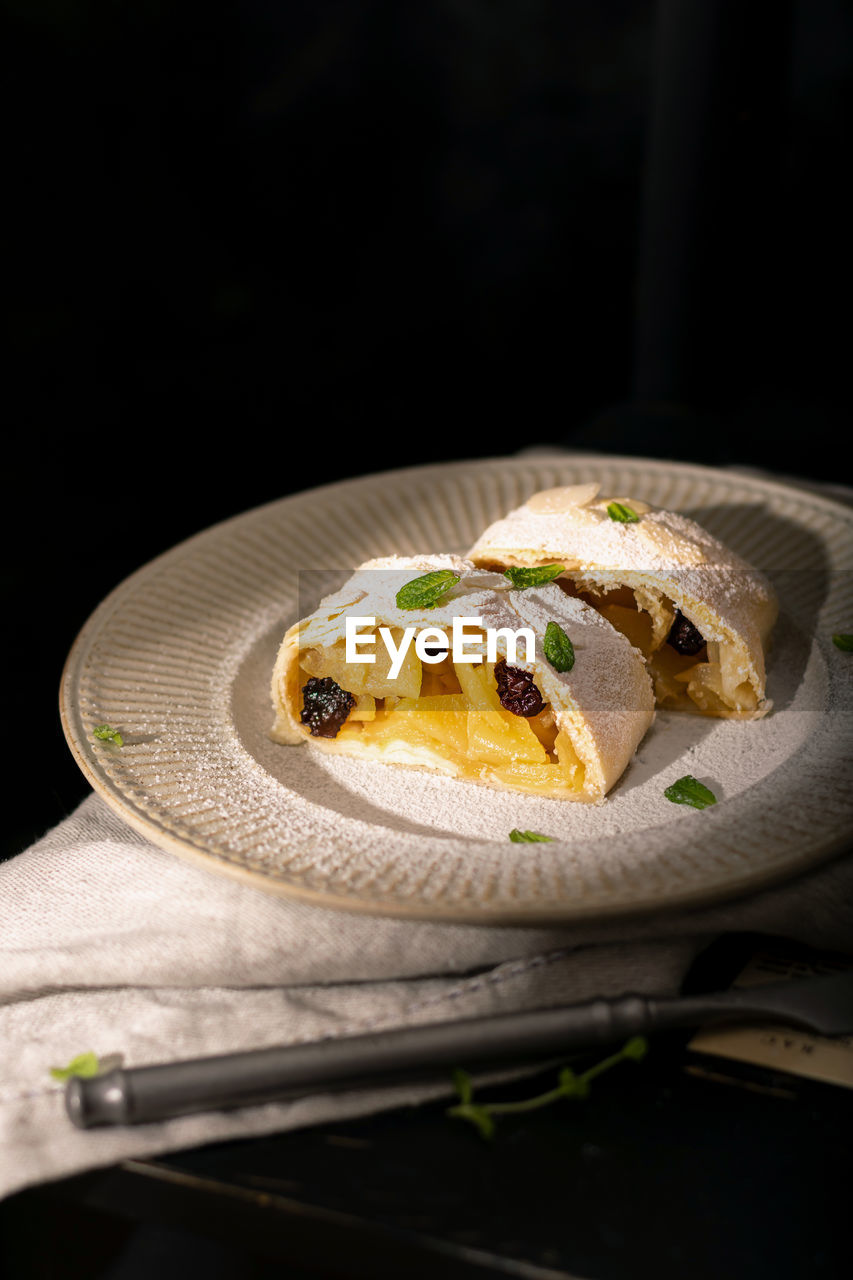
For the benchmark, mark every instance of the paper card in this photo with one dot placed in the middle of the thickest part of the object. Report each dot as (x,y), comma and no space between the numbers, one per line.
(780,1048)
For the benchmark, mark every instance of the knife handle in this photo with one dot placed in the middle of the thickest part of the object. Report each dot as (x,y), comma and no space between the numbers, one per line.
(143,1094)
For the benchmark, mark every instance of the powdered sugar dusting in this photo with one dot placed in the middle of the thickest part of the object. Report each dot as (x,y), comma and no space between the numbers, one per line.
(586,536)
(605,702)
(730,602)
(731,756)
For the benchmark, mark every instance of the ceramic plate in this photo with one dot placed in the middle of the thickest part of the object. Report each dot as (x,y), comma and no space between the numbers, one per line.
(178,658)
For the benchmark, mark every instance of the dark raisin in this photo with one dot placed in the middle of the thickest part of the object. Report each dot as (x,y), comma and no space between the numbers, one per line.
(517,691)
(326,706)
(684,637)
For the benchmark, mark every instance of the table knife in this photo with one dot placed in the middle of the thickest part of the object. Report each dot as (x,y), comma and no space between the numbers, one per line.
(139,1095)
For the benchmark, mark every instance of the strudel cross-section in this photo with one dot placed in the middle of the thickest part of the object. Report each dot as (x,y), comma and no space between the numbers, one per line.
(700,614)
(514,722)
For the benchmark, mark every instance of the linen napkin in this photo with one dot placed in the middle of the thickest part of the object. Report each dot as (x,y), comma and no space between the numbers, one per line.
(111,944)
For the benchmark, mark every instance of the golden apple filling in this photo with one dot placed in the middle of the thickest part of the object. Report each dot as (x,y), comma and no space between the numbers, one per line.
(710,678)
(448,716)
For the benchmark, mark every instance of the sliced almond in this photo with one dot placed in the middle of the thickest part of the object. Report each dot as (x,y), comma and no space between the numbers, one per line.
(553,501)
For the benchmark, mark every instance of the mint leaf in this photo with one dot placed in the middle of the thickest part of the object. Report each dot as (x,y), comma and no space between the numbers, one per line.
(688,791)
(559,649)
(537,576)
(624,515)
(843,642)
(467,1109)
(426,591)
(528,837)
(85,1064)
(462,1084)
(569,1085)
(106,733)
(573,1086)
(478,1116)
(637,1047)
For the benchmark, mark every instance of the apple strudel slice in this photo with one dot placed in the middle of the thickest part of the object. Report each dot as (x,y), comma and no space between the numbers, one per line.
(699,613)
(562,718)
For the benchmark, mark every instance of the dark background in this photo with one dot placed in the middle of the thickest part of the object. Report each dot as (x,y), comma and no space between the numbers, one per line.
(258,247)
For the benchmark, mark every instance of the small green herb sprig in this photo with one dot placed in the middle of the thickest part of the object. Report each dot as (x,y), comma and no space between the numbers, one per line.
(85,1064)
(687,790)
(482,1115)
(536,576)
(106,733)
(529,837)
(622,514)
(558,648)
(426,591)
(843,641)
